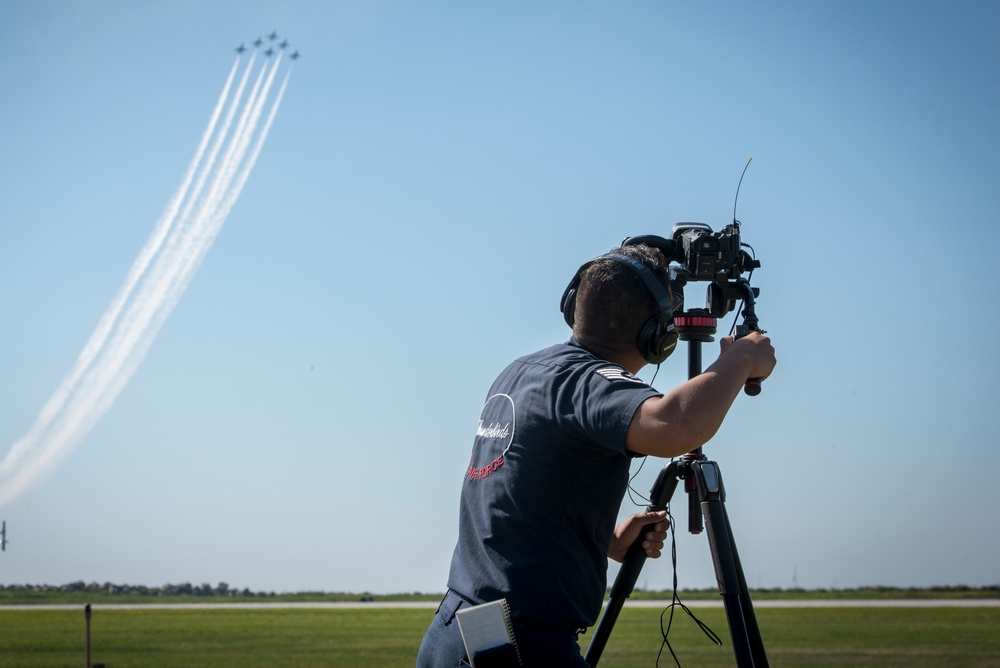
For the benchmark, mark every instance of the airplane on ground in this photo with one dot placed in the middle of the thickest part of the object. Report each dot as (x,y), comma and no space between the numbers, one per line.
(240,49)
(3,537)
(273,36)
(258,42)
(295,56)
(283,44)
(269,53)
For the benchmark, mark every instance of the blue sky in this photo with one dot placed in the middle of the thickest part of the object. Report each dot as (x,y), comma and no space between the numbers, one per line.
(435,175)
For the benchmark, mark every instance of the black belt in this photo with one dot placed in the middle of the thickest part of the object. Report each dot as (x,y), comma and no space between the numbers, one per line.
(450,605)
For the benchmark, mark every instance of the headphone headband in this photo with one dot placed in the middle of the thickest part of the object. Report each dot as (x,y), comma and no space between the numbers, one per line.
(666,246)
(657,337)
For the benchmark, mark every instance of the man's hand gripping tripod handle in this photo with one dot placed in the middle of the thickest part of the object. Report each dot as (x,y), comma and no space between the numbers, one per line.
(752,386)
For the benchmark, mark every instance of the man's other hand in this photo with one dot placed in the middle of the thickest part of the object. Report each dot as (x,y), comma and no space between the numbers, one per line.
(628,531)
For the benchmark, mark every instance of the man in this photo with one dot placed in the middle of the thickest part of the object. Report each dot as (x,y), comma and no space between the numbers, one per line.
(550,462)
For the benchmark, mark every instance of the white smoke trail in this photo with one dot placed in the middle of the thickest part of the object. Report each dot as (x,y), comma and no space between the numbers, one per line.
(248,164)
(157,279)
(97,339)
(174,269)
(209,162)
(214,212)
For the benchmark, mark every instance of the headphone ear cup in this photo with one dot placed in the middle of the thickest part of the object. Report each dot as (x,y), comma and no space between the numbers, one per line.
(568,306)
(657,340)
(665,345)
(648,335)
(568,302)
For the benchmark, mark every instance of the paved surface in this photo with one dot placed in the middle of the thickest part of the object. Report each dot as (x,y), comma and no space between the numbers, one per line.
(819,603)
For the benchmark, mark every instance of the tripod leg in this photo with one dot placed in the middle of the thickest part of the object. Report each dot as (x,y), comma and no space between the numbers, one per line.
(659,495)
(753,630)
(747,643)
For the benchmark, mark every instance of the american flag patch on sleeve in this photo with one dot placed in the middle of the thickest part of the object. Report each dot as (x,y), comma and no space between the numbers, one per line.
(613,373)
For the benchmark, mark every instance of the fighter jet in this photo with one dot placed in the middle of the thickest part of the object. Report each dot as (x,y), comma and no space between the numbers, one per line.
(258,42)
(3,537)
(240,49)
(295,56)
(283,44)
(273,36)
(269,53)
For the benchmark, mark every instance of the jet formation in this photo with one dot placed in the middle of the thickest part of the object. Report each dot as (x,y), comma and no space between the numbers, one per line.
(257,43)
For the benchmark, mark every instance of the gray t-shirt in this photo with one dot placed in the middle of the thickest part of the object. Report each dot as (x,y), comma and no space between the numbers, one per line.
(543,486)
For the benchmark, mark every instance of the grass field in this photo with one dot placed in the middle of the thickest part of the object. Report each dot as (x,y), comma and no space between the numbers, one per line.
(384,638)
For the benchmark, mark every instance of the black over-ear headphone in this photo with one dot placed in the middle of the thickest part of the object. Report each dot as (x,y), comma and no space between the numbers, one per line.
(657,336)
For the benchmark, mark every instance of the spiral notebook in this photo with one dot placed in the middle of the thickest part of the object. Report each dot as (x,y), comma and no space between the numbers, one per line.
(486,626)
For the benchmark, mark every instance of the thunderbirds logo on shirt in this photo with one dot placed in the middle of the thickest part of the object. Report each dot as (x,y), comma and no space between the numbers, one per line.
(618,373)
(494,435)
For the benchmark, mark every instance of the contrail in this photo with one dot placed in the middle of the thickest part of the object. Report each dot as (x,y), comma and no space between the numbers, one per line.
(108,319)
(155,282)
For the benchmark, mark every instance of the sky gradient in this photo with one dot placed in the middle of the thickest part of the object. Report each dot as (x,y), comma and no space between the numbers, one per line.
(435,175)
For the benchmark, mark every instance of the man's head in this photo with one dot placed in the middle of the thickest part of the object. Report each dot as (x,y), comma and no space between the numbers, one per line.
(620,303)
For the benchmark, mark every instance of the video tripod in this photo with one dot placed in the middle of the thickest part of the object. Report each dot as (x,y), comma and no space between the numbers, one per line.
(706,499)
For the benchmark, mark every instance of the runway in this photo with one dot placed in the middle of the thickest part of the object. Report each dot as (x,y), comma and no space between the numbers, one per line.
(430,605)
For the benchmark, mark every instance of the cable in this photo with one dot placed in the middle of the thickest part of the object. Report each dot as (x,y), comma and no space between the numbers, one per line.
(676,602)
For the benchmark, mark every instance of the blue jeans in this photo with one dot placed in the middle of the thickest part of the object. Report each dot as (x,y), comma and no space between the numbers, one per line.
(541,647)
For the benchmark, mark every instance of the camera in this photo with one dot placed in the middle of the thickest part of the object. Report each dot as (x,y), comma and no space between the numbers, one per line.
(696,253)
(718,257)
(711,256)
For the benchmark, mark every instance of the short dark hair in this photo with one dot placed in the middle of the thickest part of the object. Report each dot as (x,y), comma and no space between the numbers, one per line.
(613,303)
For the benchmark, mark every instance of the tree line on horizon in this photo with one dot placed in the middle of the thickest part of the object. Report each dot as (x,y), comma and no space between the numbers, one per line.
(183,589)
(224,590)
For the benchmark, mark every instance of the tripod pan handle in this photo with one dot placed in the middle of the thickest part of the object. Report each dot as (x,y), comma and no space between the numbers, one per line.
(752,387)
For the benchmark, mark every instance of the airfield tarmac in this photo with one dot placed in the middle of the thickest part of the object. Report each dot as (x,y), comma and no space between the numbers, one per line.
(430,605)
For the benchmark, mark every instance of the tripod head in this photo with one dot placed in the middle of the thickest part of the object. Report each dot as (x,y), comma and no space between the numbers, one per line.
(695,253)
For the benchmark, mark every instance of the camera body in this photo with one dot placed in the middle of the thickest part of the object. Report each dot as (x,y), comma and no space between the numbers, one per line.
(717,257)
(696,253)
(710,256)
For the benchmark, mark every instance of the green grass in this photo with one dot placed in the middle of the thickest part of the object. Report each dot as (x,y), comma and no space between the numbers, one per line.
(884,637)
(98,594)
